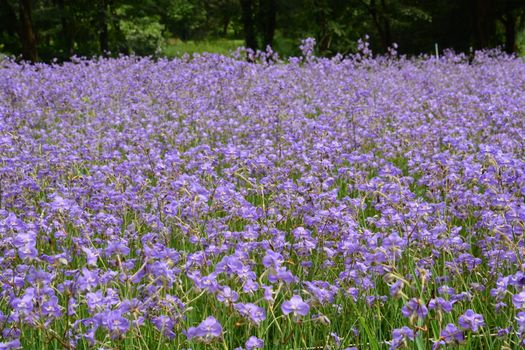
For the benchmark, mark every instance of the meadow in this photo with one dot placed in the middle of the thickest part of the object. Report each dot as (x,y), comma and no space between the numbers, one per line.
(208,202)
(178,48)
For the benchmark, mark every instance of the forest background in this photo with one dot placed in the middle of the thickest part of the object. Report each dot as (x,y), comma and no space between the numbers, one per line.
(45,30)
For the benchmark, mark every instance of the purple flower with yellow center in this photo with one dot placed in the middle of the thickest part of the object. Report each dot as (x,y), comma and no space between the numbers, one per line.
(452,335)
(251,311)
(250,286)
(95,301)
(206,331)
(440,304)
(272,259)
(471,321)
(227,296)
(116,323)
(27,251)
(87,280)
(25,239)
(254,343)
(296,306)
(24,304)
(51,308)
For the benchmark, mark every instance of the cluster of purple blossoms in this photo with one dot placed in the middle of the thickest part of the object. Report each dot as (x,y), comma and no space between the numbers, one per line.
(140,195)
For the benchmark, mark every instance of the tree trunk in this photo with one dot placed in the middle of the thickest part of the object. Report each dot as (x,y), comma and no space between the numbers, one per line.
(103,27)
(387,40)
(225,25)
(381,23)
(268,12)
(322,13)
(12,26)
(27,34)
(247,14)
(481,25)
(510,33)
(67,32)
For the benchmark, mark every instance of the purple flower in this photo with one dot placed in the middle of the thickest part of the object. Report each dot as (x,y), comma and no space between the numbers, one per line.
(446,290)
(251,311)
(400,337)
(520,319)
(51,308)
(518,300)
(11,345)
(337,339)
(206,331)
(282,275)
(116,247)
(439,344)
(91,256)
(60,203)
(207,282)
(227,296)
(272,259)
(27,251)
(95,301)
(502,332)
(452,335)
(115,323)
(89,335)
(415,308)
(268,294)
(165,325)
(87,280)
(396,289)
(321,291)
(254,343)
(24,305)
(296,306)
(24,239)
(471,321)
(250,286)
(440,304)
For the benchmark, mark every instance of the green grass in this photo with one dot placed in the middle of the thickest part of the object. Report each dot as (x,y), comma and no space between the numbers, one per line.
(177,48)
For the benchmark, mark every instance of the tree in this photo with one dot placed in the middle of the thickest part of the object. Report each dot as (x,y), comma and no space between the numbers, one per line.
(27,33)
(381,21)
(248,22)
(66,28)
(267,21)
(512,16)
(483,23)
(103,26)
(45,29)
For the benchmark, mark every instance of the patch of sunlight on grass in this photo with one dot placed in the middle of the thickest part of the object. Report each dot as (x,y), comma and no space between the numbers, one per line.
(176,48)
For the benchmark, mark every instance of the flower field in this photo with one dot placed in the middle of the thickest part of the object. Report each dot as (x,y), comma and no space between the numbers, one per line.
(212,203)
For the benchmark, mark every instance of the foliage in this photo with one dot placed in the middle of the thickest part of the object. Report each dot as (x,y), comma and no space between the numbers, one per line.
(64,28)
(143,35)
